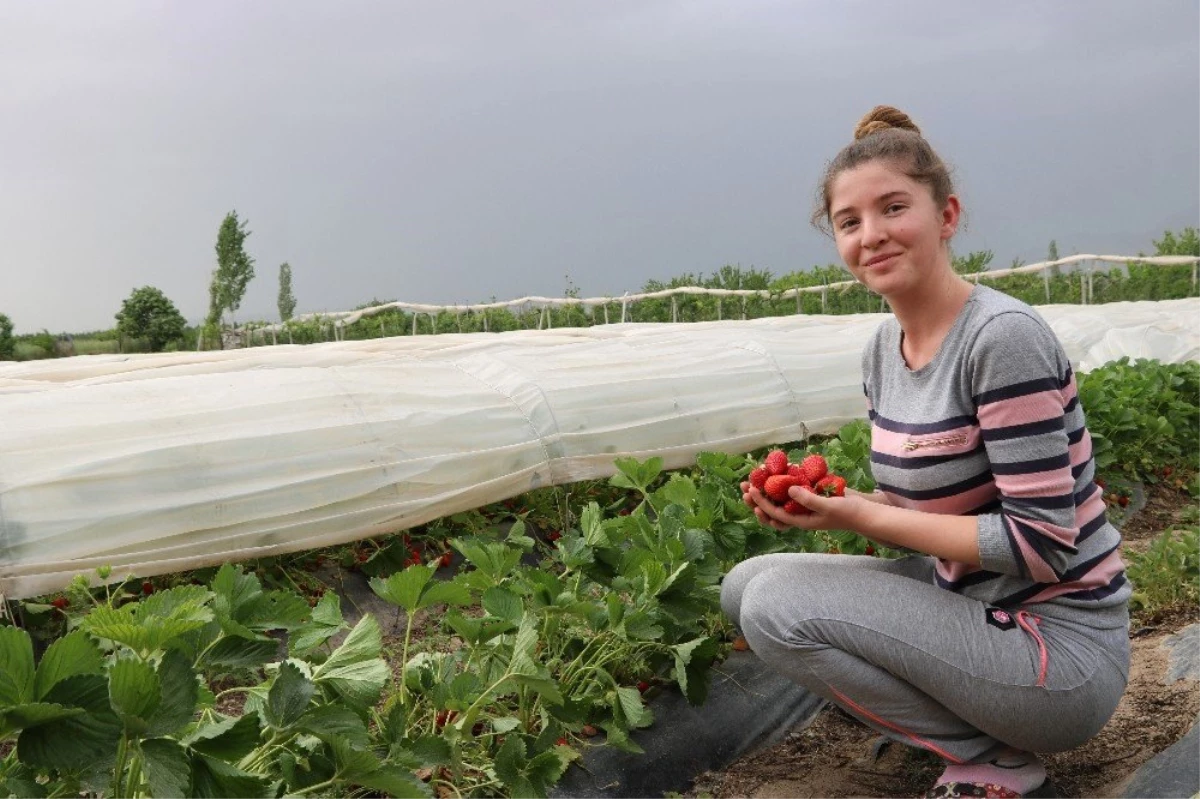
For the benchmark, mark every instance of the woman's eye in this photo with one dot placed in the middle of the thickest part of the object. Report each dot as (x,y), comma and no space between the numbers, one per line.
(895,207)
(846,224)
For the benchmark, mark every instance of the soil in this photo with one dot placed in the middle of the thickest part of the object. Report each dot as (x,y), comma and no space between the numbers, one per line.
(837,756)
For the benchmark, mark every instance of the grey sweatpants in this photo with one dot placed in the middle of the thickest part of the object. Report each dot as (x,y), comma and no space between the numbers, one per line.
(924,665)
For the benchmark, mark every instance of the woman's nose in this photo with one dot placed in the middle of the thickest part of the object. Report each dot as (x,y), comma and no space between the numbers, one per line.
(874,232)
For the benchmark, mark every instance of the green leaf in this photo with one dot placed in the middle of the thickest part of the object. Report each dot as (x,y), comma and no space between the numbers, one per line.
(180,692)
(431,750)
(329,721)
(229,739)
(404,588)
(74,653)
(214,779)
(503,604)
(135,692)
(360,684)
(22,717)
(635,713)
(141,631)
(364,642)
(80,741)
(636,475)
(235,651)
(510,766)
(16,666)
(591,523)
(326,622)
(450,592)
(19,780)
(679,490)
(641,626)
(234,592)
(683,656)
(395,782)
(544,770)
(289,697)
(165,766)
(354,669)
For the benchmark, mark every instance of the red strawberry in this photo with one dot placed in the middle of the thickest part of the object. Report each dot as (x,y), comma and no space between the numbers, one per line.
(444,717)
(815,468)
(796,470)
(758,477)
(1123,500)
(561,742)
(444,560)
(553,535)
(777,487)
(795,508)
(643,686)
(831,486)
(60,602)
(776,462)
(147,588)
(870,550)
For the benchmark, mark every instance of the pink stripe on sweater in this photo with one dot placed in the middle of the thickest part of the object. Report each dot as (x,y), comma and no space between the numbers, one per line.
(953,505)
(1100,575)
(1035,407)
(1081,450)
(1091,509)
(1071,390)
(1052,483)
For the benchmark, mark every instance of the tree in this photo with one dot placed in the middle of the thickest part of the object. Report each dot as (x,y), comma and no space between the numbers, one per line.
(287,299)
(1052,255)
(235,269)
(971,263)
(148,314)
(1188,243)
(8,347)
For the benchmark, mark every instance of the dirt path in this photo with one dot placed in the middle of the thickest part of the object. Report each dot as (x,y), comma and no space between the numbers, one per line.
(836,756)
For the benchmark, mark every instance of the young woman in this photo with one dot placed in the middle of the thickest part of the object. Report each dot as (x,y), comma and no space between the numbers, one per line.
(1006,633)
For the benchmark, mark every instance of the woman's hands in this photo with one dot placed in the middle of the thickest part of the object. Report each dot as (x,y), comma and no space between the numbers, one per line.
(849,512)
(953,538)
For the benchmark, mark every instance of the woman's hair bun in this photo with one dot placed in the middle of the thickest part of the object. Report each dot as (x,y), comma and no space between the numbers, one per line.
(883,117)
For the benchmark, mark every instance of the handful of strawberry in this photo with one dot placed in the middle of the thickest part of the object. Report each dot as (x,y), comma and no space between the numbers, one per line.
(776,476)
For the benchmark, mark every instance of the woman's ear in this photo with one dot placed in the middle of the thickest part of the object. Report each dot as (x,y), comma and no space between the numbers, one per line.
(951,213)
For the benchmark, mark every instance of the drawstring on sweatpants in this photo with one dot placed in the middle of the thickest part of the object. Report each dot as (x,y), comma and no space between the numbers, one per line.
(1029,623)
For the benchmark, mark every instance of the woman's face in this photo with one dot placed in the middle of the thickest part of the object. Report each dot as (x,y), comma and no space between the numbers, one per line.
(888,230)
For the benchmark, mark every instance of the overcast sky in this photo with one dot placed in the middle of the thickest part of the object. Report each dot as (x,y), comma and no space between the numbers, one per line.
(451,151)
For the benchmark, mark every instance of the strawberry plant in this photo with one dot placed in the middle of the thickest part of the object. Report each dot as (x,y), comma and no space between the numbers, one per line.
(121,705)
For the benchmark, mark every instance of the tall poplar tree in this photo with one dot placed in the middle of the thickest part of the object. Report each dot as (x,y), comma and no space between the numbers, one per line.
(287,299)
(235,268)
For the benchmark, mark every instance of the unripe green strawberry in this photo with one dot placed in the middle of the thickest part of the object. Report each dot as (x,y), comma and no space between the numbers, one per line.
(831,486)
(815,468)
(777,487)
(758,477)
(776,462)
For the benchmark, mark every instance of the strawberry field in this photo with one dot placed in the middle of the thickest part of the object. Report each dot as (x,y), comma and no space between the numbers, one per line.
(513,637)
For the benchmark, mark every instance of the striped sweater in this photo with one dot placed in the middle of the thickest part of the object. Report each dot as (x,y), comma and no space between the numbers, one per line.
(992,428)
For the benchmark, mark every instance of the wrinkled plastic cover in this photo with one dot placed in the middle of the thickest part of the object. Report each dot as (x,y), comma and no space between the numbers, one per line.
(161,463)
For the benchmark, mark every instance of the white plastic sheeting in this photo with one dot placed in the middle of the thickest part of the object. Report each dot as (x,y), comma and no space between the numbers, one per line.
(160,463)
